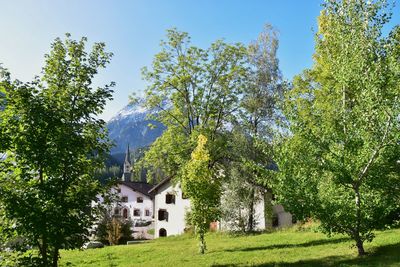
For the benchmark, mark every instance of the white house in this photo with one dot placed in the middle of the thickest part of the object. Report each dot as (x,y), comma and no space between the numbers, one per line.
(134,200)
(170,207)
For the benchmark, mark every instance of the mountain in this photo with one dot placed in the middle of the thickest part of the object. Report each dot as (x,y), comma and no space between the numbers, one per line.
(131,126)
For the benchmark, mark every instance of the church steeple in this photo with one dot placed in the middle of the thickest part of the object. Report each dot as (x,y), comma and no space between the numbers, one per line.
(127,167)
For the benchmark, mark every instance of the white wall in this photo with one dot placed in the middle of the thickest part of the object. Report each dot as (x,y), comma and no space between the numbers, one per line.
(133,204)
(176,212)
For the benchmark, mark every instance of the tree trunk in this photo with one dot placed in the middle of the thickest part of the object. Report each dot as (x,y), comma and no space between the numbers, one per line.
(250,222)
(268,212)
(359,241)
(43,251)
(202,246)
(55,257)
(360,246)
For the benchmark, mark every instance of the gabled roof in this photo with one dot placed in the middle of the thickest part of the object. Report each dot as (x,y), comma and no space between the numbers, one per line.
(140,187)
(153,190)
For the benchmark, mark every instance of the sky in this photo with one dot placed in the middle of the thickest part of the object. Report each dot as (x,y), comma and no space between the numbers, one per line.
(132,30)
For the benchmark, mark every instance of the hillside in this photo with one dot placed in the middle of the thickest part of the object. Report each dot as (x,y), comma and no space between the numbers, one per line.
(287,248)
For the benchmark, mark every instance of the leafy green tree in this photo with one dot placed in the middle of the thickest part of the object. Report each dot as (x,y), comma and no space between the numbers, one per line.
(203,186)
(339,163)
(244,184)
(196,90)
(256,121)
(54,142)
(112,228)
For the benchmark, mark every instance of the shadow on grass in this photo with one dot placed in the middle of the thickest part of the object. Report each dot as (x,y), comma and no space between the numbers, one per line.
(279,246)
(381,256)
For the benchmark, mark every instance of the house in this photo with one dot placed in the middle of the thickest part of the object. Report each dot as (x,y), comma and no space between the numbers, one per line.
(170,207)
(134,200)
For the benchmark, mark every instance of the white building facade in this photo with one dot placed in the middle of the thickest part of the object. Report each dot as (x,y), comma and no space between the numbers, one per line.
(170,207)
(135,202)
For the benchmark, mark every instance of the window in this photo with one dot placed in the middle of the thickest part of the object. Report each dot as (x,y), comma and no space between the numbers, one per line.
(162,232)
(124,199)
(147,212)
(170,198)
(118,190)
(162,215)
(184,196)
(275,220)
(125,214)
(139,200)
(116,211)
(136,212)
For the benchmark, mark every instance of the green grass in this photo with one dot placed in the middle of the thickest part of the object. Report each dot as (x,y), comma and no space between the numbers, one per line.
(150,231)
(285,248)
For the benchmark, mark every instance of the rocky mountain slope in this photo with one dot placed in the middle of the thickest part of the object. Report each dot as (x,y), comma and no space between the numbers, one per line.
(131,126)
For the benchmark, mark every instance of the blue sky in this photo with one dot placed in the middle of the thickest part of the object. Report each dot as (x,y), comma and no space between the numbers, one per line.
(132,30)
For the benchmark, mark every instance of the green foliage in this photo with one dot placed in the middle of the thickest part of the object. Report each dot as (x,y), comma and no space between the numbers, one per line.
(245,182)
(203,186)
(108,173)
(54,142)
(196,90)
(254,124)
(113,230)
(339,163)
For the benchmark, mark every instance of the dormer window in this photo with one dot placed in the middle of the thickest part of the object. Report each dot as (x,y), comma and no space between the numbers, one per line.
(169,198)
(139,200)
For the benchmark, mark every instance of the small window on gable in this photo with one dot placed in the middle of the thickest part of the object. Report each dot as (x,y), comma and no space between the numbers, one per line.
(124,199)
(169,198)
(139,200)
(147,212)
(136,212)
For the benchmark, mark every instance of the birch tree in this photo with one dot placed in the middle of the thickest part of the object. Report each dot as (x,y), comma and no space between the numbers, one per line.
(339,163)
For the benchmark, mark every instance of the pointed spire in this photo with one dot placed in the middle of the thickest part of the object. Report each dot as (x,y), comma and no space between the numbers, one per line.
(127,167)
(128,156)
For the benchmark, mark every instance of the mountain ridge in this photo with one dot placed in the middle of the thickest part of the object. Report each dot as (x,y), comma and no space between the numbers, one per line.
(131,125)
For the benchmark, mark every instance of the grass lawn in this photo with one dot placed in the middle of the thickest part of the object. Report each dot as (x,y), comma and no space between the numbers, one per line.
(285,248)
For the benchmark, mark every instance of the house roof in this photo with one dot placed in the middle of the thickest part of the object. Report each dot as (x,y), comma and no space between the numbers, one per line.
(140,187)
(152,190)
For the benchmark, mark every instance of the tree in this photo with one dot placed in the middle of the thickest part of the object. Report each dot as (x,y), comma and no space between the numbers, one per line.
(256,120)
(54,142)
(111,228)
(339,161)
(196,90)
(203,186)
(246,181)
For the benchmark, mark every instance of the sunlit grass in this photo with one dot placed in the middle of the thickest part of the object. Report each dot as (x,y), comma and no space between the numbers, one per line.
(283,248)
